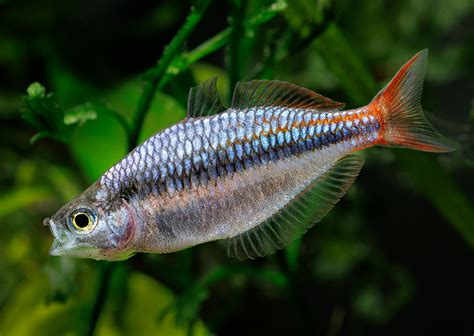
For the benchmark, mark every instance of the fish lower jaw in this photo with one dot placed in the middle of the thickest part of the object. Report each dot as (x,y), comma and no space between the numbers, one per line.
(87,251)
(72,250)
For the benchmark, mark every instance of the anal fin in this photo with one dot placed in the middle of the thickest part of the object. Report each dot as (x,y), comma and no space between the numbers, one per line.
(301,213)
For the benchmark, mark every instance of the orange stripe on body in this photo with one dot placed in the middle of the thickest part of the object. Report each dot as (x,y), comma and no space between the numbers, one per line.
(343,116)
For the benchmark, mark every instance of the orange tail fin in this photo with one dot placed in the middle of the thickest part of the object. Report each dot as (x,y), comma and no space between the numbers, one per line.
(405,125)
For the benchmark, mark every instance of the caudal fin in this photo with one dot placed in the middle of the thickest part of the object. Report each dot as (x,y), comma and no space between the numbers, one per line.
(405,125)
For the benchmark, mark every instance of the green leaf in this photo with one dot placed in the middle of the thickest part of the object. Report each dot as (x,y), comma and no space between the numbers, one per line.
(184,60)
(98,145)
(36,90)
(302,15)
(42,111)
(80,114)
(42,317)
(342,61)
(430,179)
(187,305)
(144,294)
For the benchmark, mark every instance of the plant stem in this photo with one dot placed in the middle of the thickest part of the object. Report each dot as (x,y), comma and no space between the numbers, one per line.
(219,40)
(158,74)
(235,42)
(105,271)
(172,64)
(155,82)
(295,292)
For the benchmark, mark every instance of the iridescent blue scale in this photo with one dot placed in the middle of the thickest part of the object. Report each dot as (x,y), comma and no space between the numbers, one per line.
(264,142)
(234,141)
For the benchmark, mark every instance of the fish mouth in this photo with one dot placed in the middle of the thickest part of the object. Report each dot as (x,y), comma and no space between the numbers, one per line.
(47,221)
(64,245)
(70,249)
(57,245)
(84,250)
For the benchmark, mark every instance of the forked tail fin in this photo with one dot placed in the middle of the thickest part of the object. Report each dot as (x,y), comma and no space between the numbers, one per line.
(405,125)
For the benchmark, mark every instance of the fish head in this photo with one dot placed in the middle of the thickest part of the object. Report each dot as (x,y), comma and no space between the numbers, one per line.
(90,228)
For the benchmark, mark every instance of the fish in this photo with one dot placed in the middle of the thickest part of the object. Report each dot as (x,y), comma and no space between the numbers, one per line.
(258,174)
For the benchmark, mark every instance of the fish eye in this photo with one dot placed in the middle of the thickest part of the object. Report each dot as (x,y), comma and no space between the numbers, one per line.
(82,220)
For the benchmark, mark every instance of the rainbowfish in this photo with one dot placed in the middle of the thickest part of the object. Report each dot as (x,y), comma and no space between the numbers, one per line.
(258,174)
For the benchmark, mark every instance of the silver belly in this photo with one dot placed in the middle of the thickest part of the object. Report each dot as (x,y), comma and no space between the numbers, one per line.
(230,205)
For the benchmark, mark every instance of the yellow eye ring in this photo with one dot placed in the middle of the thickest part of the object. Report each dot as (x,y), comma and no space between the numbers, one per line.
(82,220)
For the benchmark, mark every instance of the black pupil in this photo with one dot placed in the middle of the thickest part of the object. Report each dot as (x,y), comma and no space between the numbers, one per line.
(82,220)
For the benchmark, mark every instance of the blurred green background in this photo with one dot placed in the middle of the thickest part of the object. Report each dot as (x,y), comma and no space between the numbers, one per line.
(394,257)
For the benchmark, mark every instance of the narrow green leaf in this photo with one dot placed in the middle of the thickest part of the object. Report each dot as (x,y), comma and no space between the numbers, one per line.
(431,180)
(342,61)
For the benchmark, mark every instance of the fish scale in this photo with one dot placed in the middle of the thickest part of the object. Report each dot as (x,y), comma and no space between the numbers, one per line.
(226,131)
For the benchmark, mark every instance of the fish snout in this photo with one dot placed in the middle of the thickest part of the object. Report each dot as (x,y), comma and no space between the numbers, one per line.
(55,231)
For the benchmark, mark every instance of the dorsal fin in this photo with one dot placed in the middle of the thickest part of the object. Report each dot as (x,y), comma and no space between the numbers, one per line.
(277,93)
(203,100)
(305,210)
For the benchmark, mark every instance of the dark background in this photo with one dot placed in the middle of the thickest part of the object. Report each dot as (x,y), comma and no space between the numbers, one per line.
(394,257)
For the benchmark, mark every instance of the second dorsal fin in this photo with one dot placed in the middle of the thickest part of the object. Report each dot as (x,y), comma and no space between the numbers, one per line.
(277,93)
(203,100)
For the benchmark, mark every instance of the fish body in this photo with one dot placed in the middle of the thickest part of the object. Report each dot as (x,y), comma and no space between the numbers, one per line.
(216,177)
(258,174)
